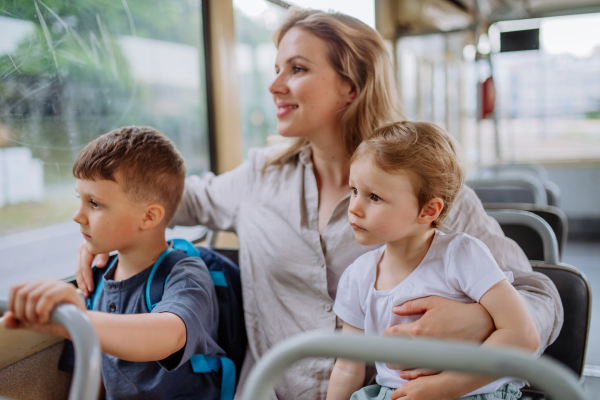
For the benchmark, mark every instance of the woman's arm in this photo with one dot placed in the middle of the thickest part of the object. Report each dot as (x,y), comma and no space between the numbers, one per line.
(514,327)
(347,376)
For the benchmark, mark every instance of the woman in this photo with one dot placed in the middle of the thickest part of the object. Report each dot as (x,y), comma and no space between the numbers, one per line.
(334,85)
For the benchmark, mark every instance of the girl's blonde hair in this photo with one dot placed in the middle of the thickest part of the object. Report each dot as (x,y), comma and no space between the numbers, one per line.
(428,153)
(357,53)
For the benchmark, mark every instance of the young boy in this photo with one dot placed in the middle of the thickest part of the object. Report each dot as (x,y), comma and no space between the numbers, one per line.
(404,179)
(130,182)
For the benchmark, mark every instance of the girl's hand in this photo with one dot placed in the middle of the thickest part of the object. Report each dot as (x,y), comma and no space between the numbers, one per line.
(417,373)
(433,387)
(83,270)
(30,305)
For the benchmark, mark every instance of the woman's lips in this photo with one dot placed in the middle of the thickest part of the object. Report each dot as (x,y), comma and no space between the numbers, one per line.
(284,109)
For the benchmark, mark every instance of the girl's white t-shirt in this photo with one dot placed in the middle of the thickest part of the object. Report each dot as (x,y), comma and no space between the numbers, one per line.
(457,266)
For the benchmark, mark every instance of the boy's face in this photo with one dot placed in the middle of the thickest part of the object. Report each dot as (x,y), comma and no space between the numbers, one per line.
(108,218)
(383,206)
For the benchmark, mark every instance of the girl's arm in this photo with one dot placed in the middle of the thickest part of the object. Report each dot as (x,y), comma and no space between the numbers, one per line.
(347,376)
(514,327)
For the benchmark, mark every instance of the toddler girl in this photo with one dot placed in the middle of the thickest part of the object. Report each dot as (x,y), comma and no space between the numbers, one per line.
(404,179)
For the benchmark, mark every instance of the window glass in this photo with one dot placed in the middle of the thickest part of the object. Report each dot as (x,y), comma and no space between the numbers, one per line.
(255,23)
(548,103)
(69,72)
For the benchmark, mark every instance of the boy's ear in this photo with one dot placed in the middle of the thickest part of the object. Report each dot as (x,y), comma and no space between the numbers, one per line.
(431,210)
(153,216)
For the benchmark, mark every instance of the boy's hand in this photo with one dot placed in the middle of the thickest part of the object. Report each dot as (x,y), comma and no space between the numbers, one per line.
(432,387)
(31,303)
(83,271)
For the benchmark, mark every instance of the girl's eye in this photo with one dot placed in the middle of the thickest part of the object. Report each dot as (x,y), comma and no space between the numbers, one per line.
(375,198)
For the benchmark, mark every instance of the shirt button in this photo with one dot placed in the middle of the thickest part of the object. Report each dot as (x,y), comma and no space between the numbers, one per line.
(113,287)
(327,307)
(113,308)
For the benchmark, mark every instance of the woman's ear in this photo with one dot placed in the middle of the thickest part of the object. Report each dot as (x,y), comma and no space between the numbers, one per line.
(431,210)
(154,214)
(352,94)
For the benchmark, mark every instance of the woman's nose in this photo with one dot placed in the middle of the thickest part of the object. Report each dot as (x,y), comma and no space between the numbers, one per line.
(279,85)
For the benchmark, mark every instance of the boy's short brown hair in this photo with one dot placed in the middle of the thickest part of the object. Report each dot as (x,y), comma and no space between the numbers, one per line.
(428,153)
(150,167)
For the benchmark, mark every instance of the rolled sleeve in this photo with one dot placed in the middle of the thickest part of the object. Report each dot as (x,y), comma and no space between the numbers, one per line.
(190,294)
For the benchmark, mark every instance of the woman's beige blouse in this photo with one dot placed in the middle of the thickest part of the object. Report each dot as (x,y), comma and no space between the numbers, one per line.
(290,272)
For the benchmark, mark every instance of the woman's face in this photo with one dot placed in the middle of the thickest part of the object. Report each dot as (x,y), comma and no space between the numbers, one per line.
(308,93)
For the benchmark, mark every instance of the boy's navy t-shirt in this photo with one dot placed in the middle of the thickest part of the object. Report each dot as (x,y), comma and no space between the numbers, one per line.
(189,294)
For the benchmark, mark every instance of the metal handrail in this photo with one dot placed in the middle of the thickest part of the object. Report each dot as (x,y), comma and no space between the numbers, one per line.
(545,373)
(536,186)
(85,384)
(525,218)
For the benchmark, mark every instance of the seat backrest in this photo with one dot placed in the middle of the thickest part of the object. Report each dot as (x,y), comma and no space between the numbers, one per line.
(510,188)
(570,346)
(531,232)
(232,254)
(554,216)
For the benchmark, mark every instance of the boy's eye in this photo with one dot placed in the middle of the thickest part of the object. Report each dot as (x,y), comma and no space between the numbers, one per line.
(354,191)
(375,198)
(94,204)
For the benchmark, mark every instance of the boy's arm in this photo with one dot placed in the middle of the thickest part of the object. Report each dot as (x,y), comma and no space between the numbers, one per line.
(514,327)
(347,376)
(139,337)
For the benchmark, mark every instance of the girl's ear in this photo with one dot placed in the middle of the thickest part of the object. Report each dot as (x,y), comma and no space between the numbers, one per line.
(431,210)
(154,214)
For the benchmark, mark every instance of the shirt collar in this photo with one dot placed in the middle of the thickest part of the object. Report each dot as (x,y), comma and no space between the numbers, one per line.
(305,155)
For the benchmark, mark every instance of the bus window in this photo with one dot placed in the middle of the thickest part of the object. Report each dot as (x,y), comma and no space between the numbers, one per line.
(69,73)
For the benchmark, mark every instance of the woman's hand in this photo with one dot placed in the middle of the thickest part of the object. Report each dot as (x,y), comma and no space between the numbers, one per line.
(83,271)
(443,318)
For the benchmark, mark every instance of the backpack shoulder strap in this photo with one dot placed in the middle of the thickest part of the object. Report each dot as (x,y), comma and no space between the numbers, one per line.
(159,275)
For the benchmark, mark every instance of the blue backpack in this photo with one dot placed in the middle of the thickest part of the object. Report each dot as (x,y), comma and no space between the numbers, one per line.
(226,278)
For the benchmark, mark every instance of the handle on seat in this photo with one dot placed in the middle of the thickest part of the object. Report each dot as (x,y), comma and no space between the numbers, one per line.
(517,217)
(548,375)
(85,384)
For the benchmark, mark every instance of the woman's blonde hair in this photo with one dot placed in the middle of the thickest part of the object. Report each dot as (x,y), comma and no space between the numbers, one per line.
(357,53)
(428,153)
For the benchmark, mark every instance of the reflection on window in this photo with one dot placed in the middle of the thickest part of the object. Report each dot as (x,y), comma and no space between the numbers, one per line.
(69,72)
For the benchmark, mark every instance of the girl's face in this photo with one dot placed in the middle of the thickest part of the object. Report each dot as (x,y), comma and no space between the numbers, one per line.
(310,96)
(383,206)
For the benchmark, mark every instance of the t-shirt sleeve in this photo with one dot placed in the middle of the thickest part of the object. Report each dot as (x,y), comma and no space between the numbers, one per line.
(190,294)
(472,268)
(348,304)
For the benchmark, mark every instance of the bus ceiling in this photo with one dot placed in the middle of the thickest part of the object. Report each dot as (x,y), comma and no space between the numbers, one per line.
(397,18)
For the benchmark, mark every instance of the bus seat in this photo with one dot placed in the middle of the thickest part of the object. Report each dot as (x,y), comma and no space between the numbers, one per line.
(230,253)
(510,188)
(575,293)
(555,217)
(552,193)
(531,232)
(36,377)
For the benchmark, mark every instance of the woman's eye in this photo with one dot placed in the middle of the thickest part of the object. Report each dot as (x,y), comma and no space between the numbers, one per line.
(375,198)
(297,69)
